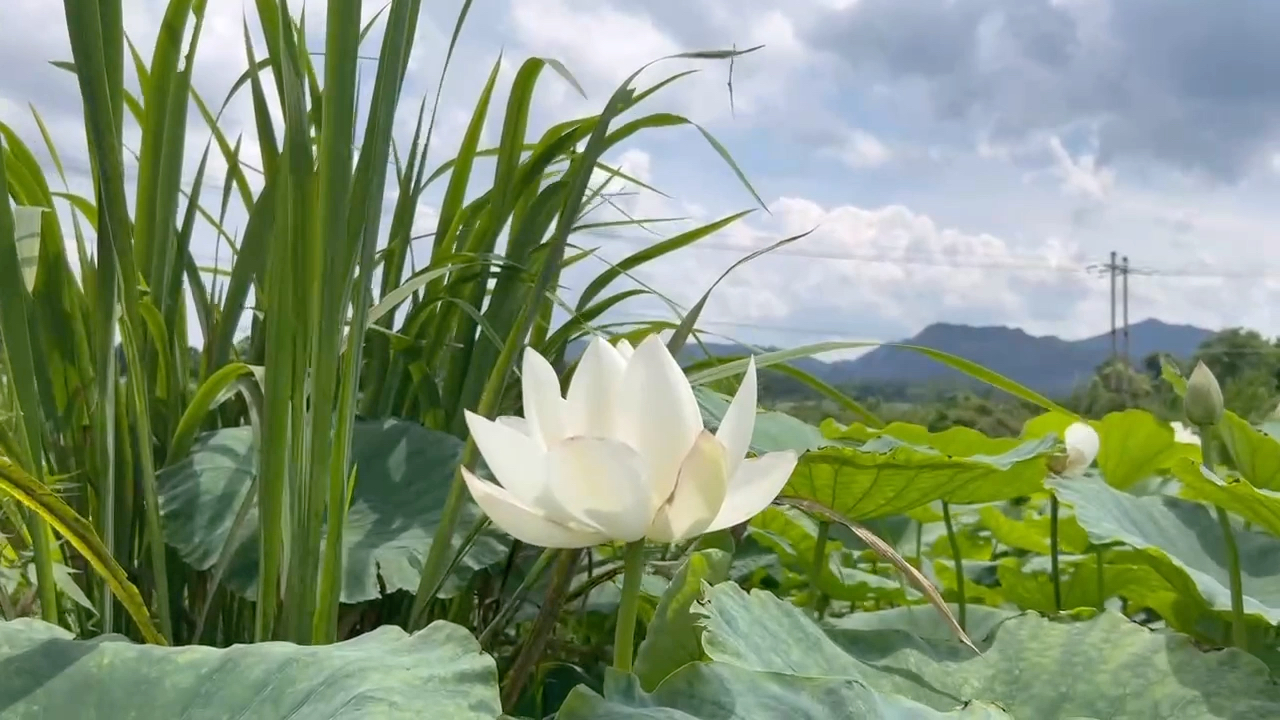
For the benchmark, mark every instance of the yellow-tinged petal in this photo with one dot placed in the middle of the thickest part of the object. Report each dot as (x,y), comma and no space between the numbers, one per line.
(544,408)
(755,485)
(600,483)
(739,420)
(699,494)
(524,523)
(593,393)
(659,415)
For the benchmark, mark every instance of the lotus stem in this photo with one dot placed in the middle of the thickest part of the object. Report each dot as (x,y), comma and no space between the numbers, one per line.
(1102,595)
(1053,553)
(959,562)
(625,634)
(1239,636)
(815,570)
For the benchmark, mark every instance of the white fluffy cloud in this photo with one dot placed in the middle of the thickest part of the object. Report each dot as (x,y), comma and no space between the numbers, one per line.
(964,165)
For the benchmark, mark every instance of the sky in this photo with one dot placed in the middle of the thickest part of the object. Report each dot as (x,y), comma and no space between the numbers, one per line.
(964,161)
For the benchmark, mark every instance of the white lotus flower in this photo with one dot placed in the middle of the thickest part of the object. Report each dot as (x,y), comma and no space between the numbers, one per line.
(1184,434)
(623,457)
(1082,447)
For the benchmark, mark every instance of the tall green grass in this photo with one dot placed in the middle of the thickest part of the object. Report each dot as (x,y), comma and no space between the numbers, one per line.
(100,393)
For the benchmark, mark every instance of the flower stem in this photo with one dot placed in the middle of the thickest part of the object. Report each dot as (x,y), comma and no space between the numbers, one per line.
(1053,553)
(1239,636)
(815,569)
(625,636)
(1102,587)
(959,561)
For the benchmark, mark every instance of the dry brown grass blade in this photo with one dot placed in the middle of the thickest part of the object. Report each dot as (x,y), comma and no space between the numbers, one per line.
(884,550)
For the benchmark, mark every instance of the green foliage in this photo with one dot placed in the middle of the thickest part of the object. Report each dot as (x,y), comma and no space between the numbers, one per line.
(385,674)
(1031,667)
(402,477)
(301,482)
(1181,542)
(887,476)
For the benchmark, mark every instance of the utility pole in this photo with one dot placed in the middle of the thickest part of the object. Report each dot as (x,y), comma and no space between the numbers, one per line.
(1124,279)
(1111,268)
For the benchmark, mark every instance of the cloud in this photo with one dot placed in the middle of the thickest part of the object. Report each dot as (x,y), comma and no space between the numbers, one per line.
(961,160)
(1193,85)
(861,149)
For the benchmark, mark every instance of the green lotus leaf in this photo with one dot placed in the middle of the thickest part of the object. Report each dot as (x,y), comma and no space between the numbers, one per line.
(720,691)
(403,474)
(1234,494)
(1032,533)
(887,477)
(385,673)
(1032,667)
(959,440)
(925,622)
(774,430)
(671,638)
(1182,541)
(1136,445)
(1030,586)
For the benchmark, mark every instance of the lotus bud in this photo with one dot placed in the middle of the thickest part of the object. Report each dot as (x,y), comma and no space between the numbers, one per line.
(1203,401)
(1082,445)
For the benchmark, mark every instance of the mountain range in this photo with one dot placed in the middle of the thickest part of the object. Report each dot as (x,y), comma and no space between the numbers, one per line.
(1047,364)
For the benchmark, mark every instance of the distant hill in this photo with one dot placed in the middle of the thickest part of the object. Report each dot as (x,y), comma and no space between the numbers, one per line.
(1046,364)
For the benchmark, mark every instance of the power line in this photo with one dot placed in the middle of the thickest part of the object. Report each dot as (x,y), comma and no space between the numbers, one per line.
(1022,265)
(976,261)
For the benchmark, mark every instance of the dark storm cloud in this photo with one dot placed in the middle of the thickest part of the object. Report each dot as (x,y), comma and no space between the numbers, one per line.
(1190,83)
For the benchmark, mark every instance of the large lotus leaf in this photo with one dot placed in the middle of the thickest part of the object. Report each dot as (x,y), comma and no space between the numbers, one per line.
(958,440)
(1106,667)
(1234,494)
(720,691)
(1256,454)
(1033,533)
(384,674)
(925,622)
(1136,445)
(773,431)
(671,638)
(1031,586)
(1182,541)
(403,473)
(887,477)
(1049,423)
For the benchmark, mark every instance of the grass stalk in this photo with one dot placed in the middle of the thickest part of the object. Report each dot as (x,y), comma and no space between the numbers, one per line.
(817,565)
(1053,552)
(958,559)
